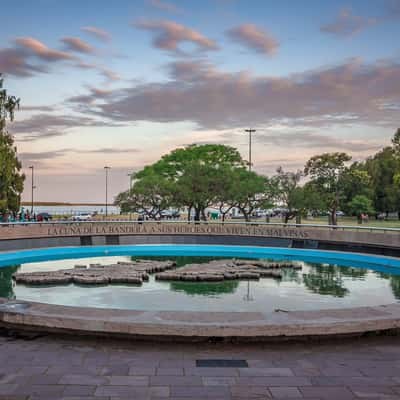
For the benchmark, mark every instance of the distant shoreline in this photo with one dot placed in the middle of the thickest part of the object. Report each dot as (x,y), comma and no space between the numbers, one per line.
(56,203)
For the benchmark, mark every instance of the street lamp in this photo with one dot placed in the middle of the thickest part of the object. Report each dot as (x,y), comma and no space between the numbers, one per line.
(106,169)
(130,181)
(249,131)
(32,187)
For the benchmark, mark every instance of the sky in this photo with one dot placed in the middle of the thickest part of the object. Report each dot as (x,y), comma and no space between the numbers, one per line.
(121,83)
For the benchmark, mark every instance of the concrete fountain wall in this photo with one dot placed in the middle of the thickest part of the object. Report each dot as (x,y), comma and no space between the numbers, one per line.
(29,236)
(181,325)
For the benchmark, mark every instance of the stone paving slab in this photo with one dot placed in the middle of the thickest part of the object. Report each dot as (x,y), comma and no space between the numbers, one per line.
(100,369)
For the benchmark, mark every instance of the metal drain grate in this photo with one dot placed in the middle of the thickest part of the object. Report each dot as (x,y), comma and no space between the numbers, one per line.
(222,363)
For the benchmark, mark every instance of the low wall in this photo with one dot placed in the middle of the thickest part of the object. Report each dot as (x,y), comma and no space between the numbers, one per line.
(37,235)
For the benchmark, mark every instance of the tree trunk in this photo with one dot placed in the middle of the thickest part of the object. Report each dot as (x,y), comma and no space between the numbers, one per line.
(286,220)
(333,217)
(246,215)
(203,215)
(189,213)
(197,214)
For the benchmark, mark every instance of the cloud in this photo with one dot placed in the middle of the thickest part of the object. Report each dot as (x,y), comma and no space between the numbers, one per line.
(164,6)
(30,57)
(15,62)
(45,155)
(109,74)
(97,33)
(169,35)
(347,24)
(37,108)
(315,140)
(95,94)
(40,50)
(46,125)
(352,92)
(76,44)
(106,150)
(251,37)
(49,155)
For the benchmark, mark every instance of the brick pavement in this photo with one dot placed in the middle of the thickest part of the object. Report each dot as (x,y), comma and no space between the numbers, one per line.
(71,368)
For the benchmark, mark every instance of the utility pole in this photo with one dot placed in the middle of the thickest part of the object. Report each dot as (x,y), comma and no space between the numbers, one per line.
(32,187)
(107,168)
(249,131)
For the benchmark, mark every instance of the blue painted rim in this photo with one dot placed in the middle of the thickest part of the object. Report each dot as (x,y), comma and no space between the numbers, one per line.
(380,263)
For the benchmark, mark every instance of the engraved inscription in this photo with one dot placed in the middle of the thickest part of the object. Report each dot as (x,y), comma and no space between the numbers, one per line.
(149,229)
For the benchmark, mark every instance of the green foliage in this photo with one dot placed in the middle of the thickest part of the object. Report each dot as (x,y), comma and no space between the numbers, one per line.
(325,280)
(326,172)
(151,194)
(11,180)
(382,168)
(251,191)
(355,181)
(288,191)
(361,205)
(195,177)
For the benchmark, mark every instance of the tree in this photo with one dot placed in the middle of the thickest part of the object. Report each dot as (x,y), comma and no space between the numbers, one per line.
(361,205)
(251,191)
(289,193)
(195,173)
(326,171)
(382,168)
(355,181)
(396,140)
(11,179)
(151,194)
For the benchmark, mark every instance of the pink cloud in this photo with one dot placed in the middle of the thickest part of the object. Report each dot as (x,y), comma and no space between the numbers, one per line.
(76,44)
(97,33)
(15,62)
(213,99)
(169,35)
(250,36)
(40,50)
(347,24)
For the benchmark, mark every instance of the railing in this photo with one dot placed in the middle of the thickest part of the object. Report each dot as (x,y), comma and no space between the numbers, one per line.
(253,223)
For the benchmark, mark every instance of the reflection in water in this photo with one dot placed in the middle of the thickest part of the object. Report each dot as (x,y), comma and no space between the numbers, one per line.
(326,280)
(316,286)
(205,288)
(394,283)
(6,282)
(181,260)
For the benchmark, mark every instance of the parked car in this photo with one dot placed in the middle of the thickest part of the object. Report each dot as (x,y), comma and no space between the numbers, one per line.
(170,214)
(81,217)
(43,216)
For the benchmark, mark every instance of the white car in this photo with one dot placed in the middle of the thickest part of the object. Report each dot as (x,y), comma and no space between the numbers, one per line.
(81,217)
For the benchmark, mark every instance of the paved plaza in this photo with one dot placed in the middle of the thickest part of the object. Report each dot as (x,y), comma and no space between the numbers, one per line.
(52,367)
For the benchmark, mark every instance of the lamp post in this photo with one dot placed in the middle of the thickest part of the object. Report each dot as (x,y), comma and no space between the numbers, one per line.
(32,187)
(249,131)
(130,181)
(106,169)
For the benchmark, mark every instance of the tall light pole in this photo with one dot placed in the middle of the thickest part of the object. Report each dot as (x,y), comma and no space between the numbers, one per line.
(106,169)
(32,187)
(250,131)
(130,181)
